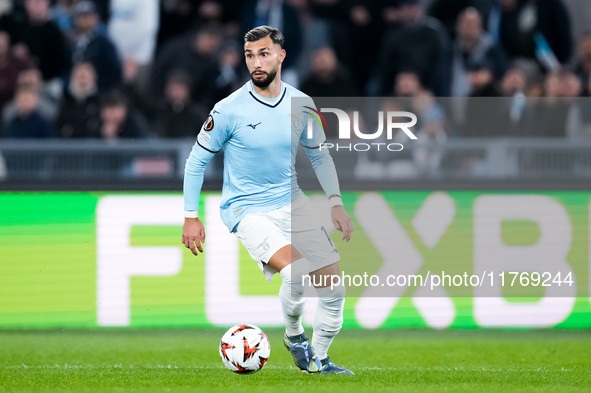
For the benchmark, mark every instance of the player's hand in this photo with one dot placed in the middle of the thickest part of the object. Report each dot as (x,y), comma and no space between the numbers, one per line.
(193,235)
(342,221)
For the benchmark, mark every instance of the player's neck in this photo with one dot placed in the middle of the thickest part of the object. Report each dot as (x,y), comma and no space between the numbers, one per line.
(271,91)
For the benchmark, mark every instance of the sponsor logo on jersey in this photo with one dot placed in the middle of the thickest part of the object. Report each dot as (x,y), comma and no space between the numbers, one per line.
(205,137)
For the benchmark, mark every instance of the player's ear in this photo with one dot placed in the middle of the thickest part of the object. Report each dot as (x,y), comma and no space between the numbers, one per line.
(282,55)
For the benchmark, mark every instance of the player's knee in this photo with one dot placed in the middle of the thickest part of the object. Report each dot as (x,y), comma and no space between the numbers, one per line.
(297,271)
(334,291)
(339,291)
(294,280)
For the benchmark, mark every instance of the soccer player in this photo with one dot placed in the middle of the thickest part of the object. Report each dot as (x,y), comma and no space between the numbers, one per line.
(260,195)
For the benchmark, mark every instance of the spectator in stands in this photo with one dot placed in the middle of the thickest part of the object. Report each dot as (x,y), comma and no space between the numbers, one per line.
(5,6)
(402,164)
(427,153)
(552,86)
(583,64)
(232,12)
(513,86)
(324,24)
(578,119)
(550,119)
(523,22)
(572,86)
(514,83)
(62,15)
(176,116)
(209,12)
(9,70)
(485,114)
(119,120)
(79,110)
(365,26)
(327,11)
(419,44)
(176,19)
(327,78)
(551,111)
(535,88)
(103,7)
(48,102)
(195,53)
(420,101)
(89,46)
(230,73)
(390,13)
(482,80)
(133,28)
(473,45)
(29,123)
(37,37)
(448,11)
(407,84)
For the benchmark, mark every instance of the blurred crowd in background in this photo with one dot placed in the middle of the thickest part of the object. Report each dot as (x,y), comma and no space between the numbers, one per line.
(113,69)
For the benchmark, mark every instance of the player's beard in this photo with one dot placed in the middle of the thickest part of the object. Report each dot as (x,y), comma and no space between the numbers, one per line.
(262,83)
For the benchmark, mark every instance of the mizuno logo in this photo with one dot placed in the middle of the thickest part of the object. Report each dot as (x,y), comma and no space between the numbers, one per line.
(254,126)
(215,111)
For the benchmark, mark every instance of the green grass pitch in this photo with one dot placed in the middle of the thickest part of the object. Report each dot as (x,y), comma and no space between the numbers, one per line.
(187,360)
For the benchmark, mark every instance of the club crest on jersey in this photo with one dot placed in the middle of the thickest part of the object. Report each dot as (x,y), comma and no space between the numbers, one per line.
(208,125)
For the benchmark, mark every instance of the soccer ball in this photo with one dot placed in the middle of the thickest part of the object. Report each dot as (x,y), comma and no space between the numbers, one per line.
(245,349)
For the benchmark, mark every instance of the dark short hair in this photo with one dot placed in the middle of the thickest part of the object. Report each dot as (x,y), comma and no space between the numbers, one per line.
(84,7)
(258,33)
(209,29)
(180,77)
(114,98)
(87,64)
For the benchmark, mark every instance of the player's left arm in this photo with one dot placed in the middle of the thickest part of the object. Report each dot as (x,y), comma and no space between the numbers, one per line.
(323,166)
(327,176)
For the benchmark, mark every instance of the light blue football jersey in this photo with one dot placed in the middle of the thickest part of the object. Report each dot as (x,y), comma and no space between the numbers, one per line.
(260,139)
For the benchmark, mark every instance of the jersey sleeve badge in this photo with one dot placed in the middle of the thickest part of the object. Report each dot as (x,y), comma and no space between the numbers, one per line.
(208,125)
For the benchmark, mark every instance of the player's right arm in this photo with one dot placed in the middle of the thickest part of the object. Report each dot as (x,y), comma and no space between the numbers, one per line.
(210,140)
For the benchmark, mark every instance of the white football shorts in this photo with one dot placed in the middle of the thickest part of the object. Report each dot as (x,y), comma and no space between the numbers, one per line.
(263,234)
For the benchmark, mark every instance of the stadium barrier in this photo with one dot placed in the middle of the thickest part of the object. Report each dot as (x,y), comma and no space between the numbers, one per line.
(43,164)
